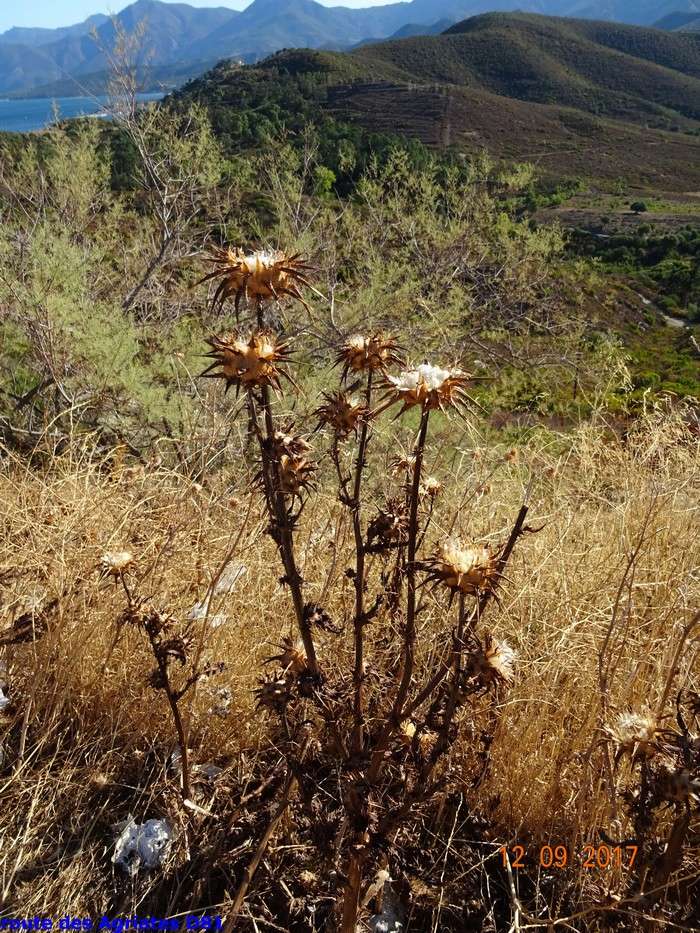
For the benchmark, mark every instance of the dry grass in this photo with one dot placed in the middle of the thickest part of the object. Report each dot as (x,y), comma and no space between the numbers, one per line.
(596,607)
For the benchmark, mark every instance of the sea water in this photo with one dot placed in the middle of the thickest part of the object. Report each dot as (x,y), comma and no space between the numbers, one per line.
(26,115)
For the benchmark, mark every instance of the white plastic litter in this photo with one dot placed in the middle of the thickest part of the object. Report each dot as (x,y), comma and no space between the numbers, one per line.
(4,701)
(224,585)
(175,762)
(198,612)
(141,845)
(229,578)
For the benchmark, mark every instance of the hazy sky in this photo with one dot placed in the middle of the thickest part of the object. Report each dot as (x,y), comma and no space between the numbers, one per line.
(66,12)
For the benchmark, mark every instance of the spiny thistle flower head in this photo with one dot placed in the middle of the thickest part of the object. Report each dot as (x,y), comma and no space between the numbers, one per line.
(431,387)
(426,742)
(296,471)
(116,563)
(292,657)
(368,352)
(248,362)
(390,524)
(406,463)
(259,274)
(635,734)
(273,693)
(431,487)
(468,569)
(342,412)
(492,663)
(296,474)
(286,443)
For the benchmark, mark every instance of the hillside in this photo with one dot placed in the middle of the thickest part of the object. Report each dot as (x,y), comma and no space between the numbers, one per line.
(602,68)
(575,97)
(679,22)
(179,35)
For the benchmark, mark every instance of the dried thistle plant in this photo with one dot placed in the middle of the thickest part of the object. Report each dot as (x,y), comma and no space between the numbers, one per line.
(171,644)
(662,789)
(382,734)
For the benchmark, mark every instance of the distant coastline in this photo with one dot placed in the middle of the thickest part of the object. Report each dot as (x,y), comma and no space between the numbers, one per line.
(30,115)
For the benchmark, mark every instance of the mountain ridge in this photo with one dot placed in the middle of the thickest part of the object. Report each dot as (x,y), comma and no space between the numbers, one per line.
(178,34)
(593,96)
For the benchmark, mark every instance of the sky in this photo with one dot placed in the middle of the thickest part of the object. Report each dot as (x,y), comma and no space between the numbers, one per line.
(52,13)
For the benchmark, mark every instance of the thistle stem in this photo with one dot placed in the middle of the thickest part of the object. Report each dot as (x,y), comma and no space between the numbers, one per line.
(410,635)
(453,690)
(351,899)
(359,622)
(177,718)
(279,515)
(393,720)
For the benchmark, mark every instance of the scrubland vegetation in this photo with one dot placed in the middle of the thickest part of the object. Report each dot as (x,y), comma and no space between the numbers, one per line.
(422,585)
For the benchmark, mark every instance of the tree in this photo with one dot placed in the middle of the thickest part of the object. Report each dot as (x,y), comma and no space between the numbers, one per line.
(639,207)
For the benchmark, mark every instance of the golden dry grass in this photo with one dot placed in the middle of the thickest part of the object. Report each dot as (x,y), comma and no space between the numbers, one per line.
(610,580)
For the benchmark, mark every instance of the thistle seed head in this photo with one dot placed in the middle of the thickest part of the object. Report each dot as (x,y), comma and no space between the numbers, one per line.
(405,464)
(426,742)
(273,693)
(429,387)
(636,735)
(431,487)
(248,362)
(292,657)
(286,444)
(116,563)
(342,412)
(492,663)
(407,731)
(390,525)
(294,469)
(368,353)
(259,274)
(471,569)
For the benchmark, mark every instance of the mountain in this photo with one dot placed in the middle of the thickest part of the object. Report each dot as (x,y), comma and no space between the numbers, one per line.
(170,29)
(415,29)
(577,97)
(634,12)
(602,68)
(19,35)
(178,35)
(679,22)
(269,25)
